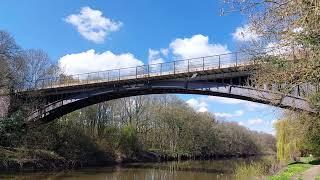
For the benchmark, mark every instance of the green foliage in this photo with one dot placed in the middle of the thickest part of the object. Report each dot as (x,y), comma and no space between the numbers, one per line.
(290,171)
(296,168)
(308,129)
(75,144)
(249,171)
(119,128)
(109,131)
(283,150)
(293,27)
(256,169)
(129,143)
(11,130)
(297,134)
(267,167)
(315,99)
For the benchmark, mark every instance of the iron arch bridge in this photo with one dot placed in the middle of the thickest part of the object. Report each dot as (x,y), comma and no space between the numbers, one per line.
(226,75)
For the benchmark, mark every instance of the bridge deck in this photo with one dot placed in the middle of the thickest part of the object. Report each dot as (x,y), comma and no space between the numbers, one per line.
(184,68)
(222,75)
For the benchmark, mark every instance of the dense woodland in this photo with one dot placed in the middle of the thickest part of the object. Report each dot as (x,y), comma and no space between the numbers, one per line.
(143,128)
(163,125)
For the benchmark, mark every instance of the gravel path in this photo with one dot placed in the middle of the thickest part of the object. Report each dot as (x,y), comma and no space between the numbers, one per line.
(311,173)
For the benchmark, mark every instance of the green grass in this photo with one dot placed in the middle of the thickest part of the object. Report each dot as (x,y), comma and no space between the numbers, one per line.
(318,178)
(290,171)
(296,168)
(248,171)
(20,158)
(256,170)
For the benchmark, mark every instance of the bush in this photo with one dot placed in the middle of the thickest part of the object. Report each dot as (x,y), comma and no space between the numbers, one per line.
(11,130)
(129,144)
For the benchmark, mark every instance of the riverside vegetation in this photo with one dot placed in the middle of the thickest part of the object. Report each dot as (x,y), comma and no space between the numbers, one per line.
(161,128)
(143,128)
(154,127)
(288,45)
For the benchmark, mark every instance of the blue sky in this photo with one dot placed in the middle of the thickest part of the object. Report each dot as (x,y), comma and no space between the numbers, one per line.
(87,35)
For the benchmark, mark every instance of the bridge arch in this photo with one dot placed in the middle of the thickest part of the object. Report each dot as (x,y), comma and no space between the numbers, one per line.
(225,75)
(96,95)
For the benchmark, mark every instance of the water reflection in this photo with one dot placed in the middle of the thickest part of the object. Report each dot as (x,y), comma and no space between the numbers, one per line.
(183,170)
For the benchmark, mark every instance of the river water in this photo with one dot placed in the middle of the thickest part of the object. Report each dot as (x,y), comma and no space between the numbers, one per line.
(182,170)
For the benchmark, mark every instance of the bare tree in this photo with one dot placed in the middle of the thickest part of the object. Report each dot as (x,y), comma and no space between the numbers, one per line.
(290,29)
(38,67)
(9,51)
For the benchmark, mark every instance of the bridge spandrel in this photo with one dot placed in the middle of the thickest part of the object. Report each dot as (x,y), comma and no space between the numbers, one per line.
(222,75)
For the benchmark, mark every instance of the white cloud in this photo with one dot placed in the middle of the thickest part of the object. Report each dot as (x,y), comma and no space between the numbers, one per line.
(193,47)
(223,115)
(251,106)
(255,121)
(202,109)
(90,61)
(274,121)
(241,123)
(92,25)
(164,51)
(237,113)
(156,56)
(245,33)
(225,100)
(198,105)
(196,46)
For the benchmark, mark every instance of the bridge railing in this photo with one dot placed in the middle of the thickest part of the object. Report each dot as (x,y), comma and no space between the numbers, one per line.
(149,70)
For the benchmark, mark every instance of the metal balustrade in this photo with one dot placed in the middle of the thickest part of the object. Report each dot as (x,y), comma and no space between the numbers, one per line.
(193,65)
(168,70)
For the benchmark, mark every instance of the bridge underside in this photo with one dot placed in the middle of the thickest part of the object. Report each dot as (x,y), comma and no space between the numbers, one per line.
(231,82)
(75,100)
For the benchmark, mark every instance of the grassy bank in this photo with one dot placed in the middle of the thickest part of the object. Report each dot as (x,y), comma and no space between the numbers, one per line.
(257,169)
(274,171)
(291,170)
(13,159)
(22,159)
(295,168)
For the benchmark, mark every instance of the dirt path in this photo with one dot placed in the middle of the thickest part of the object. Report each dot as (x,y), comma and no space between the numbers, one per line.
(311,173)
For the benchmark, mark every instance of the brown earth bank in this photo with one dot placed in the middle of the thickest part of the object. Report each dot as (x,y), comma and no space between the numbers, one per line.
(20,159)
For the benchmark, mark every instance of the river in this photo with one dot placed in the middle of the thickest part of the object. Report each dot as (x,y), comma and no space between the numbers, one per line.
(175,170)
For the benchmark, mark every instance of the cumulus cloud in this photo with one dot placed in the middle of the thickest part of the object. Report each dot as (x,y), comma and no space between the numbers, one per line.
(185,48)
(241,123)
(196,46)
(245,33)
(90,61)
(92,25)
(198,105)
(156,56)
(202,103)
(255,121)
(225,100)
(202,109)
(237,113)
(250,106)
